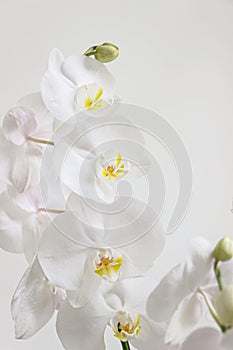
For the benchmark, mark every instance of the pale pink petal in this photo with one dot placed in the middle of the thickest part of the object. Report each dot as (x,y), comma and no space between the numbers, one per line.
(19,123)
(33,305)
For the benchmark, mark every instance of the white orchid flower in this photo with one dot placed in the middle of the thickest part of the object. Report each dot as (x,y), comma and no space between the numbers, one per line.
(94,158)
(81,250)
(75,83)
(120,307)
(25,129)
(208,338)
(34,302)
(23,220)
(177,301)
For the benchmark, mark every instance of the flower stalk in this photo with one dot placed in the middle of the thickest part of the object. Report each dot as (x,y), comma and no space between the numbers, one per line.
(213,312)
(52,211)
(43,142)
(218,275)
(125,345)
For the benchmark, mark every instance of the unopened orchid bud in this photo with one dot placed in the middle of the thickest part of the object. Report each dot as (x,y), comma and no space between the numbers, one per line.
(223,250)
(224,305)
(106,52)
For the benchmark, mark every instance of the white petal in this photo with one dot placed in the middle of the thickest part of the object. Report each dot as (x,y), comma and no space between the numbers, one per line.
(33,229)
(130,292)
(57,90)
(167,295)
(185,319)
(18,124)
(142,254)
(151,336)
(11,219)
(199,264)
(30,200)
(203,339)
(62,260)
(72,165)
(7,156)
(42,115)
(26,168)
(84,212)
(83,328)
(32,306)
(88,285)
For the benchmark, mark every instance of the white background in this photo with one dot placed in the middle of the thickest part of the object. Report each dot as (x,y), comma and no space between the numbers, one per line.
(176,58)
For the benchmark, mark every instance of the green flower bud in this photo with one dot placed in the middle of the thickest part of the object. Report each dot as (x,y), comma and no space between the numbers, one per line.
(223,304)
(223,250)
(104,53)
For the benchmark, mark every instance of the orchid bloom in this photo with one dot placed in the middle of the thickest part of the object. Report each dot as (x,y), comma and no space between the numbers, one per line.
(93,159)
(23,220)
(25,129)
(79,256)
(34,302)
(75,83)
(177,301)
(119,307)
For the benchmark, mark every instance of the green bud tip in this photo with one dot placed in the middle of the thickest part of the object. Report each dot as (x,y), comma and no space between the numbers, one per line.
(106,52)
(223,250)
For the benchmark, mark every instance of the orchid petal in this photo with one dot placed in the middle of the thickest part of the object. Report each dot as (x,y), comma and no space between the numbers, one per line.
(83,327)
(30,200)
(204,338)
(42,115)
(8,153)
(142,253)
(26,169)
(198,269)
(33,229)
(167,295)
(11,219)
(151,336)
(185,319)
(33,305)
(62,260)
(57,90)
(19,123)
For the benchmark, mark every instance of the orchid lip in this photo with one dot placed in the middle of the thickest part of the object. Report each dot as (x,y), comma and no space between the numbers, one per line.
(125,325)
(112,169)
(108,264)
(89,97)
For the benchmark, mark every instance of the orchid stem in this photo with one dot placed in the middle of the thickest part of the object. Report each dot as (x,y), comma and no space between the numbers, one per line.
(52,211)
(125,345)
(218,275)
(212,311)
(44,142)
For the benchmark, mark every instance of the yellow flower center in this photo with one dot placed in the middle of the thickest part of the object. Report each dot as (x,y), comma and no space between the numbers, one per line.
(93,104)
(108,264)
(112,172)
(124,328)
